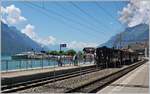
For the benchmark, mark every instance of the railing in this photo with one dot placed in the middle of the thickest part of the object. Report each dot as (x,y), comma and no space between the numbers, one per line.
(17,65)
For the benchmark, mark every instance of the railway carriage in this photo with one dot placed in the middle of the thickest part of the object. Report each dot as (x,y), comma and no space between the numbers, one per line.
(110,57)
(129,57)
(107,57)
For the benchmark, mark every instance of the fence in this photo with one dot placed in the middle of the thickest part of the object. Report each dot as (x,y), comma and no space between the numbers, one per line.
(13,65)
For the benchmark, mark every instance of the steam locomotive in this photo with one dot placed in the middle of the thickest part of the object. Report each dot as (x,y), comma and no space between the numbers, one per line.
(110,57)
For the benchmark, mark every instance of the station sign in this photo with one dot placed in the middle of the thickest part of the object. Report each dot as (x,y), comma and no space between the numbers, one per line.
(63,45)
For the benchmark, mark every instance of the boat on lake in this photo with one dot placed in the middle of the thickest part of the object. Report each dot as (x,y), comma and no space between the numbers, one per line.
(28,55)
(38,55)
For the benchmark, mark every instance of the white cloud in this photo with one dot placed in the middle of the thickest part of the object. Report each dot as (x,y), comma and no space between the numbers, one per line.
(29,31)
(50,40)
(136,12)
(12,15)
(80,45)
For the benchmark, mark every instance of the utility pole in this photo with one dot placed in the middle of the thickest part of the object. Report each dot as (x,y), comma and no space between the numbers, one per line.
(120,40)
(145,52)
(59,61)
(120,49)
(146,49)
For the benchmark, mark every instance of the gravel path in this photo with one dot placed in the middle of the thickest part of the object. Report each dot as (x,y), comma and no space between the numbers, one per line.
(63,85)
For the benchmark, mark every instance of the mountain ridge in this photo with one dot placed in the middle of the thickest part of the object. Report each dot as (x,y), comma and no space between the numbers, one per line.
(136,34)
(13,41)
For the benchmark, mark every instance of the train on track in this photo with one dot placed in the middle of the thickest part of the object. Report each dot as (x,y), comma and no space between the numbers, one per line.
(110,57)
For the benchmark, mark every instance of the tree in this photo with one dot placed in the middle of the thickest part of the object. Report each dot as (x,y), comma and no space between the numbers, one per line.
(54,52)
(62,53)
(71,52)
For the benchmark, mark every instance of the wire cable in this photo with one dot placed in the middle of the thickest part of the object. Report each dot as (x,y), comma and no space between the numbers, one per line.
(90,16)
(68,19)
(76,15)
(106,12)
(61,21)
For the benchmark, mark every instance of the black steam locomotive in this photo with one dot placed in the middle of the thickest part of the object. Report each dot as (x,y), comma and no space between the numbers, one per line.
(110,57)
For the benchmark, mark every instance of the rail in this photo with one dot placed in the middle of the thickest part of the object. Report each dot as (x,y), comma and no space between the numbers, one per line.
(39,82)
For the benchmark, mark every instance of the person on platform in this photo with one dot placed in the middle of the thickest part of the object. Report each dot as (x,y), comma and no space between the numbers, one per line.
(84,58)
(59,61)
(75,60)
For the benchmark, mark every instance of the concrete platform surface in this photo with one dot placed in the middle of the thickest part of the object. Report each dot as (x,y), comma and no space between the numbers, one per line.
(135,82)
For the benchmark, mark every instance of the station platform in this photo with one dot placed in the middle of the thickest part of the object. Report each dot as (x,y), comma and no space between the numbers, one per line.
(135,82)
(16,73)
(13,77)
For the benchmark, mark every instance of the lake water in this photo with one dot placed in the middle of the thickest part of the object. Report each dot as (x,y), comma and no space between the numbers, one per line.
(8,64)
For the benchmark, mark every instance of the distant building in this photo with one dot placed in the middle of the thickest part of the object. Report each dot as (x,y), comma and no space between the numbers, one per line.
(141,47)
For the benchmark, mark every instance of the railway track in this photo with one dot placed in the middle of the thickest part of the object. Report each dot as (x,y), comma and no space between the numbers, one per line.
(96,85)
(38,82)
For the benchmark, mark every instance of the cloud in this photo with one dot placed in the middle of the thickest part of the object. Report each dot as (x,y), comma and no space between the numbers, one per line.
(80,45)
(29,31)
(12,15)
(136,12)
(50,40)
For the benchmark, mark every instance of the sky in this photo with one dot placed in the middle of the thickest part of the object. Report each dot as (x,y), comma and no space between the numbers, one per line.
(78,23)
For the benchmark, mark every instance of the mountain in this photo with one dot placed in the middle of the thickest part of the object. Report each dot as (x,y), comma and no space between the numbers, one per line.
(133,35)
(54,47)
(13,41)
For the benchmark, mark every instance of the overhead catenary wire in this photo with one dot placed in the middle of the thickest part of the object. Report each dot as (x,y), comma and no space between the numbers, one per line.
(116,20)
(106,12)
(68,19)
(90,16)
(76,15)
(44,12)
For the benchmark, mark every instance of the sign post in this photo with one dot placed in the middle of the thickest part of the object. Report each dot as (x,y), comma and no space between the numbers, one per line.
(61,45)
